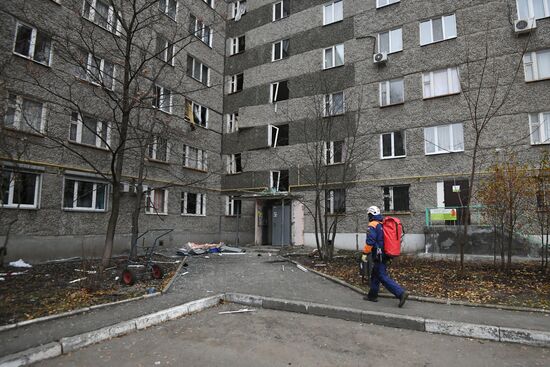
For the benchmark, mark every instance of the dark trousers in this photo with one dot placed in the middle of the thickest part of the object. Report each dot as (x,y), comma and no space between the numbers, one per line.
(380,275)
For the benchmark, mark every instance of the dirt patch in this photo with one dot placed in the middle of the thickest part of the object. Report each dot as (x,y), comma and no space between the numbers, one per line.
(524,286)
(52,288)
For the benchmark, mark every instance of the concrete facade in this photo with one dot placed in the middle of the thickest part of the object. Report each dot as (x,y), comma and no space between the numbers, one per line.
(48,230)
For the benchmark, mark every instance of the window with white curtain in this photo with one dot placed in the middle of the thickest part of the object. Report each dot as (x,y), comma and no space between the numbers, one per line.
(335,201)
(193,204)
(536,65)
(333,12)
(333,56)
(437,29)
(539,126)
(390,41)
(162,99)
(392,92)
(444,139)
(440,82)
(537,9)
(25,114)
(196,113)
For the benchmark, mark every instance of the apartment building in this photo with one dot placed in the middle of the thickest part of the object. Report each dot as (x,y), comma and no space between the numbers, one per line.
(244,109)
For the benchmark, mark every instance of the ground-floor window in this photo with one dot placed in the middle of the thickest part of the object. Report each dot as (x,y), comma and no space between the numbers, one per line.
(193,203)
(396,198)
(335,201)
(19,190)
(156,201)
(81,194)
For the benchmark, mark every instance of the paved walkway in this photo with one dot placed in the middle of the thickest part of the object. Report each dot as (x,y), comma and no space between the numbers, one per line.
(264,275)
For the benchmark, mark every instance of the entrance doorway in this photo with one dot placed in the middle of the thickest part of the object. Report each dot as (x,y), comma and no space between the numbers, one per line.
(456,194)
(274,221)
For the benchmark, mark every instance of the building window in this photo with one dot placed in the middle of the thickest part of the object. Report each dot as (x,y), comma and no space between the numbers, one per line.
(396,198)
(234,163)
(392,145)
(333,56)
(537,9)
(237,45)
(19,189)
(195,158)
(169,7)
(279,50)
(390,41)
(232,120)
(158,149)
(437,29)
(444,139)
(200,30)
(198,71)
(156,201)
(382,3)
(89,131)
(25,114)
(277,135)
(238,9)
(440,82)
(334,104)
(165,50)
(279,92)
(333,12)
(32,44)
(392,92)
(536,65)
(162,99)
(278,180)
(539,125)
(196,114)
(193,204)
(281,9)
(80,194)
(334,152)
(102,14)
(335,201)
(233,207)
(236,83)
(210,3)
(96,70)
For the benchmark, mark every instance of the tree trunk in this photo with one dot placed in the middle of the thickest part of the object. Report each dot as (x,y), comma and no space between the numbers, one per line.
(111,228)
(135,222)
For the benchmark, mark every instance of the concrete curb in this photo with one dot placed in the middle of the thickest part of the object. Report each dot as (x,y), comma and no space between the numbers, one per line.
(424,299)
(72,343)
(452,328)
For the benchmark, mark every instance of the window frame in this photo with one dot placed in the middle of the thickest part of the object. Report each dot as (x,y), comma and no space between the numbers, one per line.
(235,45)
(201,163)
(391,202)
(149,196)
(199,30)
(274,92)
(191,72)
(32,44)
(543,139)
(114,28)
(236,8)
(328,105)
(95,183)
(389,2)
(531,9)
(232,166)
(443,29)
(393,155)
(200,204)
(281,50)
(18,114)
(166,46)
(234,83)
(329,152)
(386,86)
(160,97)
(282,11)
(534,66)
(100,143)
(166,10)
(330,196)
(438,149)
(153,147)
(232,122)
(389,32)
(11,189)
(210,3)
(231,207)
(333,58)
(332,6)
(449,83)
(91,78)
(190,114)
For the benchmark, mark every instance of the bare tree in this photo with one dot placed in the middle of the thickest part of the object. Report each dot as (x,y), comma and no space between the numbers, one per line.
(543,206)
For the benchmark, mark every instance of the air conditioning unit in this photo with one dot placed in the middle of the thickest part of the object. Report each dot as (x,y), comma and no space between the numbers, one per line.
(524,25)
(380,57)
(127,187)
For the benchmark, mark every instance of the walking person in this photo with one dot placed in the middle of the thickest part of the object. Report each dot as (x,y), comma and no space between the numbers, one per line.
(375,246)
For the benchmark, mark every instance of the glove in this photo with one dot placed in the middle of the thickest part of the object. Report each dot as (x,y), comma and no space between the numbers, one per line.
(364,258)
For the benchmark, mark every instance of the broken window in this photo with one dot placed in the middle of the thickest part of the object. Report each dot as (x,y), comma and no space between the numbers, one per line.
(396,198)
(193,204)
(234,163)
(232,122)
(196,114)
(236,83)
(277,135)
(279,91)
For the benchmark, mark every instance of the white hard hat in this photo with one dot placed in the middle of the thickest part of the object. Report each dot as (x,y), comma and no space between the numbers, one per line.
(374,210)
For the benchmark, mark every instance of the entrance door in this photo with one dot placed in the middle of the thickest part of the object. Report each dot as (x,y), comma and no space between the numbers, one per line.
(456,195)
(280,234)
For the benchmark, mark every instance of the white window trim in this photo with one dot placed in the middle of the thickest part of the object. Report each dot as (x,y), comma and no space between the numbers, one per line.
(273,94)
(272,136)
(331,202)
(89,72)
(238,7)
(281,55)
(328,150)
(155,146)
(281,14)
(161,101)
(531,9)
(390,2)
(540,126)
(150,198)
(534,65)
(202,158)
(230,206)
(233,82)
(232,122)
(330,101)
(274,182)
(438,149)
(32,45)
(200,65)
(167,7)
(432,86)
(193,105)
(331,6)
(393,156)
(201,198)
(389,40)
(17,118)
(445,37)
(232,164)
(210,3)
(386,84)
(99,127)
(110,17)
(11,190)
(167,45)
(235,44)
(333,48)
(77,180)
(391,196)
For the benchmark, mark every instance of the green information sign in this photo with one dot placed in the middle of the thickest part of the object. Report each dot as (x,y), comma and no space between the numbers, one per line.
(442,214)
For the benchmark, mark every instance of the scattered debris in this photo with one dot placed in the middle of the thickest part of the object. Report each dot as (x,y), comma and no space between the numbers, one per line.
(314,253)
(320,265)
(207,257)
(184,273)
(77,280)
(111,268)
(117,278)
(63,260)
(86,271)
(242,310)
(192,248)
(301,268)
(20,264)
(13,273)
